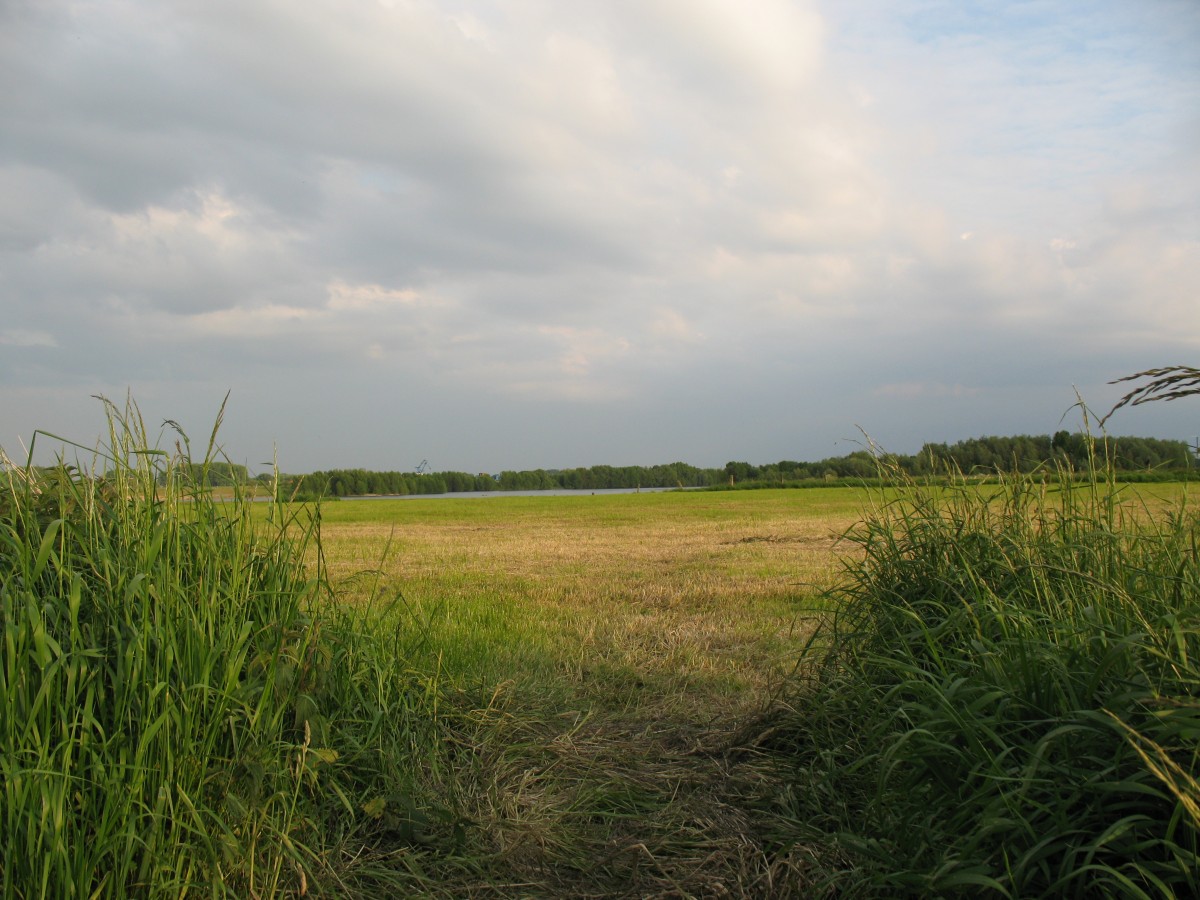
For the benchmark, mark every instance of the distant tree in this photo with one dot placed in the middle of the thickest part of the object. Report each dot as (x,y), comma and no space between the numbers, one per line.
(740,471)
(859,464)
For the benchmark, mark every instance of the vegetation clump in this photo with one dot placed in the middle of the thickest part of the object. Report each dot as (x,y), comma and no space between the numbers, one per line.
(1005,698)
(180,709)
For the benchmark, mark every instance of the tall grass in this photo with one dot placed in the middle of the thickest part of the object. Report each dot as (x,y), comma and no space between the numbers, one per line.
(181,711)
(1005,699)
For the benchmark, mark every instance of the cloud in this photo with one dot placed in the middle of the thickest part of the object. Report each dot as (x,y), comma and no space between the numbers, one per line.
(584,349)
(343,296)
(17,337)
(251,323)
(912,390)
(693,208)
(770,45)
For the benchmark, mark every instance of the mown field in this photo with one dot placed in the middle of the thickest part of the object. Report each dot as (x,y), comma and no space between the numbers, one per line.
(615,652)
(638,660)
(689,589)
(826,692)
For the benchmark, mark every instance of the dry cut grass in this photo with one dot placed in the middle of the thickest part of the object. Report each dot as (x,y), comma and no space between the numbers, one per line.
(681,586)
(609,652)
(608,658)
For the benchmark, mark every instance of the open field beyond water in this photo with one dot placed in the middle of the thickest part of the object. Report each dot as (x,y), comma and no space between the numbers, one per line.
(609,650)
(710,590)
(614,657)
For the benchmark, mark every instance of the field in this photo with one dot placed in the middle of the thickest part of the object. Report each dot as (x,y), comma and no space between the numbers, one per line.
(827,692)
(705,587)
(616,647)
(628,663)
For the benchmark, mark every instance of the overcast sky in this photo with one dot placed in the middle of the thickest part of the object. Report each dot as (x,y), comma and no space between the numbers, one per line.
(536,233)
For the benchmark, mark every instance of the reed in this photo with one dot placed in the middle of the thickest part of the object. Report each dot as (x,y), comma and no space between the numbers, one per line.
(181,711)
(1004,699)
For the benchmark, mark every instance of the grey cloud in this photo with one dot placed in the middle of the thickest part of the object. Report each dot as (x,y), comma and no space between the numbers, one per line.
(599,232)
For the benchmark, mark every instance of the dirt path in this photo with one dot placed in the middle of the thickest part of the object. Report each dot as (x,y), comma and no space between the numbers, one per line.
(597,802)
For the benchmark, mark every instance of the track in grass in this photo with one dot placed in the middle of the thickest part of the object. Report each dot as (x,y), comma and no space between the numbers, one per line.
(606,653)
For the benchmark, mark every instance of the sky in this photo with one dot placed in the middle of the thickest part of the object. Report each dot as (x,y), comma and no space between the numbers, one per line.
(523,234)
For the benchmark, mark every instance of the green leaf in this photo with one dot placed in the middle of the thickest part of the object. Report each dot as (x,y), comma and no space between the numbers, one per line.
(46,547)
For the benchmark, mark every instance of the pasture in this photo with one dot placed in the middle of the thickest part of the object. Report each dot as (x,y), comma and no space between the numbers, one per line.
(608,654)
(680,588)
(629,669)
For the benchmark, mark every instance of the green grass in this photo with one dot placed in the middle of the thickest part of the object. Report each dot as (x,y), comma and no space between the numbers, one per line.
(1004,699)
(181,709)
(543,591)
(609,651)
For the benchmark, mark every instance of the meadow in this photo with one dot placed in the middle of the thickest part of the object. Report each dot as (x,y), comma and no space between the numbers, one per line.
(613,653)
(825,692)
(695,586)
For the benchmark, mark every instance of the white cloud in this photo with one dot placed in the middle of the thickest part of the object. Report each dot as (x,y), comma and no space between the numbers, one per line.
(252,322)
(774,44)
(578,84)
(672,325)
(343,296)
(17,337)
(598,203)
(583,349)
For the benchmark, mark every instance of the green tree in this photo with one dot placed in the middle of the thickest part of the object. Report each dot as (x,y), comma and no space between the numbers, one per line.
(740,471)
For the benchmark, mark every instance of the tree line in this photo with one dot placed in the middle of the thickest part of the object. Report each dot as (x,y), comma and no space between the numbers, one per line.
(980,456)
(359,482)
(988,455)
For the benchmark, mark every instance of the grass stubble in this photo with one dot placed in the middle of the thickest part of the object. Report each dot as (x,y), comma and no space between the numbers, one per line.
(614,651)
(979,691)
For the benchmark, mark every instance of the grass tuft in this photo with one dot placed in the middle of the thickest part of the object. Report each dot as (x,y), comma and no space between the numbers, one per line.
(1004,698)
(181,709)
